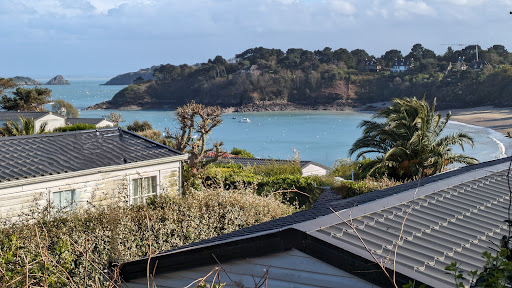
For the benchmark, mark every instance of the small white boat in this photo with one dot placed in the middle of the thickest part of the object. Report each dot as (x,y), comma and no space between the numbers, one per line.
(245,120)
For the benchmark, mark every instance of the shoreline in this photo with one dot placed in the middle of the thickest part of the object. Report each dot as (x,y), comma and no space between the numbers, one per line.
(497,119)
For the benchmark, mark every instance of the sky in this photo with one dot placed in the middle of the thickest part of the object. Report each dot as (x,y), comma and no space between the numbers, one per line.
(103,38)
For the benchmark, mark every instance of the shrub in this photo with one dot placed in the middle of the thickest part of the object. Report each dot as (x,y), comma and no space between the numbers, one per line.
(75,127)
(73,249)
(349,189)
(277,169)
(345,168)
(241,152)
(137,126)
(309,191)
(154,135)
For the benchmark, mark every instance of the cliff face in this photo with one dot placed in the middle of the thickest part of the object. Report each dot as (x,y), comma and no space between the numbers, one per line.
(21,80)
(129,78)
(57,80)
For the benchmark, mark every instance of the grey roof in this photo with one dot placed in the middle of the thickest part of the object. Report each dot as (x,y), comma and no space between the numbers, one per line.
(454,216)
(94,121)
(261,162)
(455,224)
(24,157)
(15,115)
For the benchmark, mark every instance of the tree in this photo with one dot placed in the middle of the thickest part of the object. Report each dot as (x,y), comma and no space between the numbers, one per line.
(115,118)
(65,109)
(325,56)
(26,126)
(342,55)
(200,119)
(390,56)
(25,99)
(409,141)
(416,52)
(360,57)
(6,83)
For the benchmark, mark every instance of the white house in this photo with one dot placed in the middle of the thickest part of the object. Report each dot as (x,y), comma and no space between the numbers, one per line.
(64,170)
(99,122)
(52,120)
(401,65)
(415,229)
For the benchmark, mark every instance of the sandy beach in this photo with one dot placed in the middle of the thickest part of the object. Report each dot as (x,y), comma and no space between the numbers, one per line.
(498,119)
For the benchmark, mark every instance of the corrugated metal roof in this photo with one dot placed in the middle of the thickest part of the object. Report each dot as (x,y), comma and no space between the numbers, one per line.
(24,157)
(454,224)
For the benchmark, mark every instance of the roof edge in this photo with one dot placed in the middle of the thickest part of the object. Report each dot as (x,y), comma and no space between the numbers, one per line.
(54,177)
(151,141)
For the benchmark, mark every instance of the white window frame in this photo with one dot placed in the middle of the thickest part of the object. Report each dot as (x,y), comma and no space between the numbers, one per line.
(75,199)
(141,176)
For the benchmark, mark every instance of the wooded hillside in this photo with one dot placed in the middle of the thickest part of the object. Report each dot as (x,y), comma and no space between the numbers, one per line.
(339,78)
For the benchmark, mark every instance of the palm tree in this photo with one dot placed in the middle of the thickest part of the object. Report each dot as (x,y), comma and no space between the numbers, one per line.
(26,126)
(409,142)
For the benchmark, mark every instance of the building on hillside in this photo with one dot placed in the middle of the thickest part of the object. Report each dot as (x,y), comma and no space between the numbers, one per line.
(67,169)
(371,65)
(99,122)
(308,167)
(478,65)
(450,217)
(401,65)
(460,65)
(52,120)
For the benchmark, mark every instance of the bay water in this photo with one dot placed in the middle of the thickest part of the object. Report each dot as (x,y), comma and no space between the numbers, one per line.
(317,136)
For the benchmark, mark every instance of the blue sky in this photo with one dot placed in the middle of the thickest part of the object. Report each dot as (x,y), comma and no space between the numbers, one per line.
(102,38)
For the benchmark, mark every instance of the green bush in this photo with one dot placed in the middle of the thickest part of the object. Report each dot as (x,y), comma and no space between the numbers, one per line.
(155,135)
(241,152)
(345,167)
(277,169)
(349,189)
(137,126)
(306,190)
(75,127)
(73,249)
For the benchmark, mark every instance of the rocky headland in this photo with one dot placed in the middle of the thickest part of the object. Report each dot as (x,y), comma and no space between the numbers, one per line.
(131,77)
(57,80)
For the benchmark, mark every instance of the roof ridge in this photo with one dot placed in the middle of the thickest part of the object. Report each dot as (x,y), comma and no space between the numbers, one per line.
(8,138)
(151,141)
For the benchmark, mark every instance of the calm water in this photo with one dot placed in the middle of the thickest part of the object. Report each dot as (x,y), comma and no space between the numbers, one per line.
(318,136)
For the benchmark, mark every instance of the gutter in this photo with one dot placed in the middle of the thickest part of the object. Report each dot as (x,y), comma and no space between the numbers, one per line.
(47,178)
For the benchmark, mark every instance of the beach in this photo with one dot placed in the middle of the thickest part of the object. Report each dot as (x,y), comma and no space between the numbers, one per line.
(498,119)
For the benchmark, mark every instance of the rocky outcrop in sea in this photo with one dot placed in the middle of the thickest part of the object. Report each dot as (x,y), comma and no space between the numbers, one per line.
(22,80)
(57,80)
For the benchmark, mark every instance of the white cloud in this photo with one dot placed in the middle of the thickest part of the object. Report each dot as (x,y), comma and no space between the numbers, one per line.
(406,8)
(342,7)
(463,2)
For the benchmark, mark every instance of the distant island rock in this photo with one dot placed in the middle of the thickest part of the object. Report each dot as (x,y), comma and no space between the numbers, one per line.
(57,80)
(21,80)
(131,77)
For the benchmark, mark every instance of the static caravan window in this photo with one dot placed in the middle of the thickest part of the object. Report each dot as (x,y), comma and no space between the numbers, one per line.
(143,188)
(65,200)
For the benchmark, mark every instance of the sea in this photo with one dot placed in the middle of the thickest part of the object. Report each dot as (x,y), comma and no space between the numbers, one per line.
(323,137)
